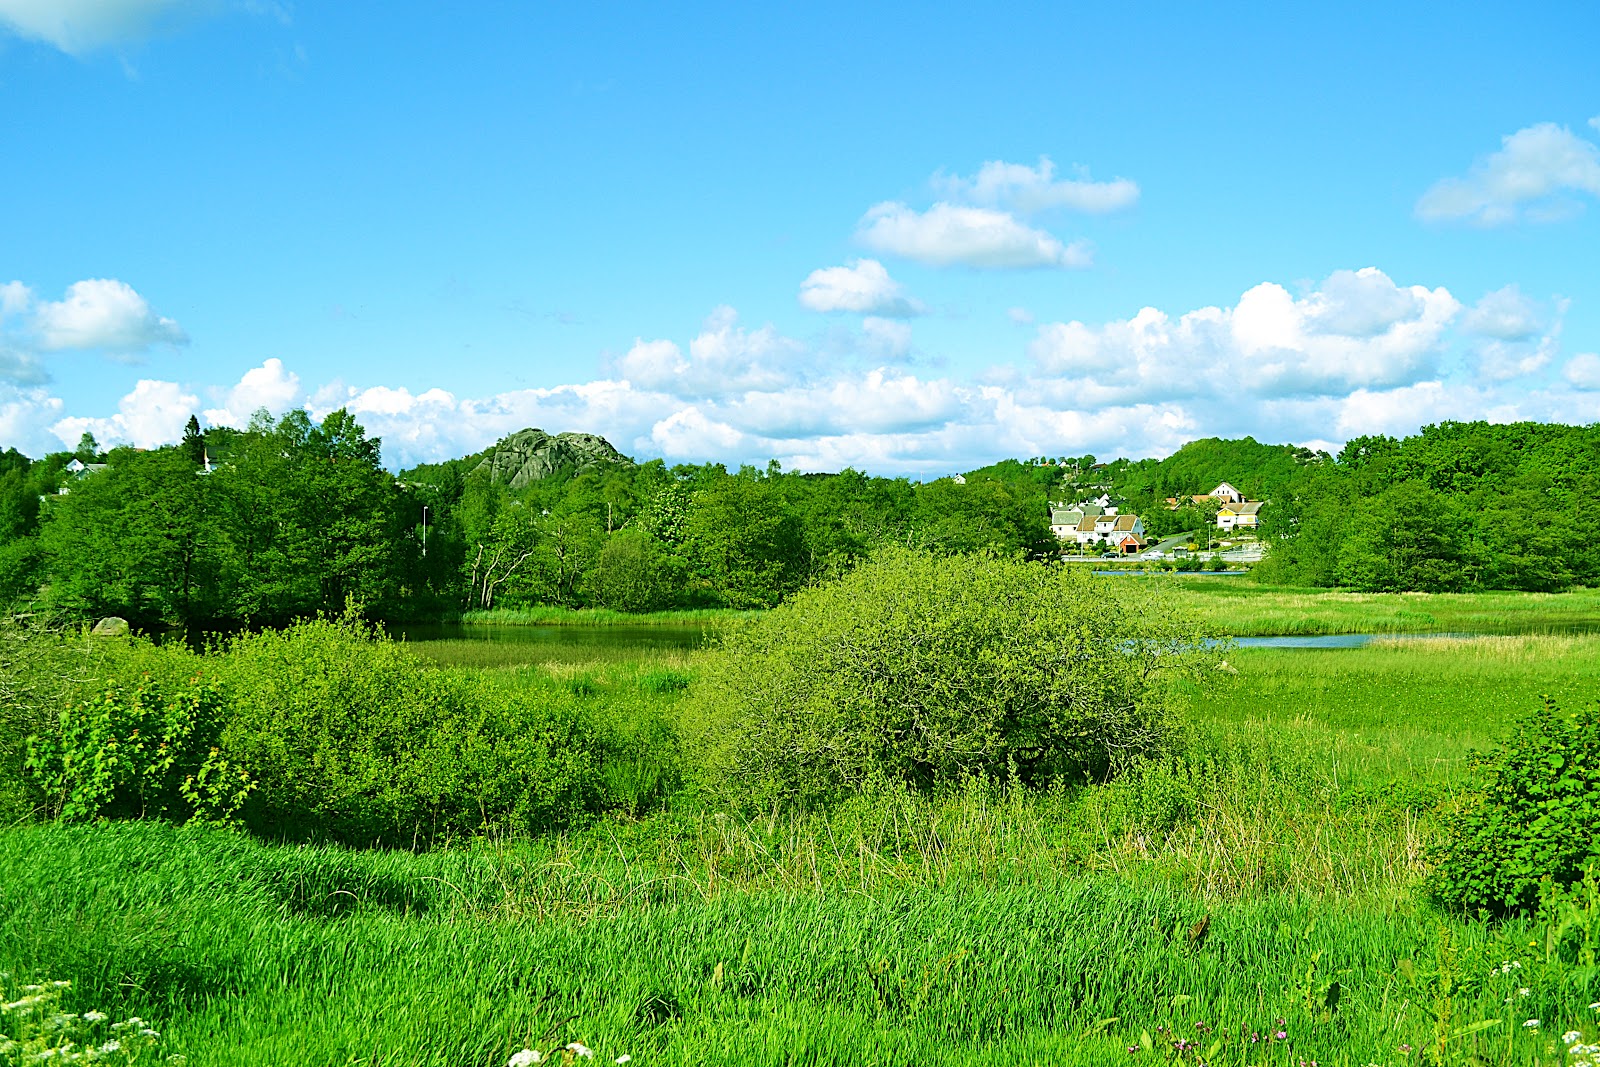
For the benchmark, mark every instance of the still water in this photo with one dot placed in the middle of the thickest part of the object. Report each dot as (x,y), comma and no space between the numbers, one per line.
(597,638)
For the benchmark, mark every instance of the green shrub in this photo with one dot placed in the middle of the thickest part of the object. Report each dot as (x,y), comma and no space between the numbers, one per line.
(1534,816)
(926,670)
(354,739)
(144,751)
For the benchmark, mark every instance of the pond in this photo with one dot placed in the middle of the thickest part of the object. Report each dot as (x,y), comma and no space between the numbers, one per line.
(620,642)
(597,638)
(1335,640)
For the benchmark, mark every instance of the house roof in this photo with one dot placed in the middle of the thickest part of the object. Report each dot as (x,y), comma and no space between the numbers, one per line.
(1087,525)
(1249,507)
(1126,522)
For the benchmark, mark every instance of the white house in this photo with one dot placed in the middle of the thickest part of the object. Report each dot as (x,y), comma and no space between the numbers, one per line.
(1227,494)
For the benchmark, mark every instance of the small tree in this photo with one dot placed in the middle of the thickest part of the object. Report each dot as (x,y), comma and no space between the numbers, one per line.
(926,670)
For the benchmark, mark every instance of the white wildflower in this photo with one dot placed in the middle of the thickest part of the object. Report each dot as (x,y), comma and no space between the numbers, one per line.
(25,1003)
(95,1016)
(525,1058)
(1570,1036)
(33,989)
(583,1052)
(624,1058)
(1524,991)
(1532,1024)
(61,985)
(110,1046)
(152,1034)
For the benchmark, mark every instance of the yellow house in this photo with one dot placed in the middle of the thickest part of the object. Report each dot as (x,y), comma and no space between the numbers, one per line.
(1238,516)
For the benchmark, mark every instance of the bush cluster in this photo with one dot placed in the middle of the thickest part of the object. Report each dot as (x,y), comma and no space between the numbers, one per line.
(1534,817)
(927,670)
(329,730)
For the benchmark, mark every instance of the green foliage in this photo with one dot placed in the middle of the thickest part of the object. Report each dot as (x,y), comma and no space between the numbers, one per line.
(925,669)
(352,738)
(149,751)
(635,572)
(1535,817)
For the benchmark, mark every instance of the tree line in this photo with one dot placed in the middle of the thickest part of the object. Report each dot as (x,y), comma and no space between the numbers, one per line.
(1456,507)
(291,517)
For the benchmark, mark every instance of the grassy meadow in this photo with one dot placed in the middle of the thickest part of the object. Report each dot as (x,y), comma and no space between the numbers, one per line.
(1254,897)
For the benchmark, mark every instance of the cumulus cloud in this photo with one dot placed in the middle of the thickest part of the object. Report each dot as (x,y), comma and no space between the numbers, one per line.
(1018,187)
(26,415)
(1537,174)
(153,414)
(15,298)
(1357,330)
(1505,315)
(268,386)
(952,234)
(724,357)
(1583,371)
(864,286)
(21,368)
(1357,353)
(103,313)
(78,27)
(887,338)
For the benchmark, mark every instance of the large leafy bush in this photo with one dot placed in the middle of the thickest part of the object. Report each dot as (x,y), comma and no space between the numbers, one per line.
(1535,815)
(352,738)
(924,670)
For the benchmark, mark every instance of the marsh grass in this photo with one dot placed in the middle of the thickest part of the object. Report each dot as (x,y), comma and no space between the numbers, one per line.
(1245,609)
(248,953)
(982,924)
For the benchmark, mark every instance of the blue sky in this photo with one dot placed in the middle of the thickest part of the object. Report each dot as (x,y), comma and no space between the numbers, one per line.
(911,239)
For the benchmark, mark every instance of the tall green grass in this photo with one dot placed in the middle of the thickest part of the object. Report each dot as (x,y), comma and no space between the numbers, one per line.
(244,953)
(1244,609)
(985,924)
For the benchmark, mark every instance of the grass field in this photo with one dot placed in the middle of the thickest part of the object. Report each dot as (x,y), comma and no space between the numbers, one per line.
(985,925)
(1242,608)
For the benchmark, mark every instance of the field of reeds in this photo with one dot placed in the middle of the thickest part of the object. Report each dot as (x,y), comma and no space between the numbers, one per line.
(1257,896)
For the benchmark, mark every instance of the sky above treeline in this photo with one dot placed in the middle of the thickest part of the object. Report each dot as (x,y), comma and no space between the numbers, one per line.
(905,238)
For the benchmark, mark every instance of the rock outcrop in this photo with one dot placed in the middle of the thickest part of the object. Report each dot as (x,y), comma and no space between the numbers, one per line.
(530,455)
(111,626)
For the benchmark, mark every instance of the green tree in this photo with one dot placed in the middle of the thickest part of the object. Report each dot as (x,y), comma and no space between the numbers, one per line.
(1410,537)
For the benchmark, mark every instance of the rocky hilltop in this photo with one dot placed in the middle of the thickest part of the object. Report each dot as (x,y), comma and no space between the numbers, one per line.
(529,455)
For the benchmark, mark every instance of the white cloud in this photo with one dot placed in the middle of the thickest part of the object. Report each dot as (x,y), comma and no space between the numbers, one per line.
(1534,175)
(103,313)
(1595,122)
(1358,330)
(1018,187)
(80,26)
(1504,314)
(724,357)
(863,287)
(950,234)
(154,414)
(26,415)
(268,386)
(1355,354)
(887,338)
(1020,316)
(1583,371)
(15,298)
(21,367)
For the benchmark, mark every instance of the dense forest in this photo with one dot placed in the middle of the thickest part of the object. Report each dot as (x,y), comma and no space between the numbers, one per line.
(290,517)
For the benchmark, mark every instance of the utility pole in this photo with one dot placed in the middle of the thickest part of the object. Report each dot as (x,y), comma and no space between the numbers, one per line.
(424,531)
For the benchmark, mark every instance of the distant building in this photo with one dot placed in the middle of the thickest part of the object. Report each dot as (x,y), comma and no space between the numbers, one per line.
(1242,516)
